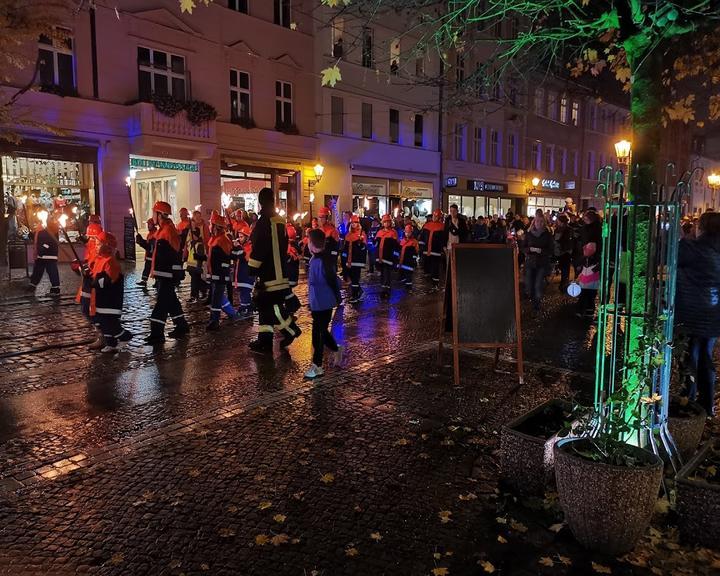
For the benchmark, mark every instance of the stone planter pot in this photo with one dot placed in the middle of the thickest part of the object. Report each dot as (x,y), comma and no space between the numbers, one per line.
(686,425)
(526,447)
(698,503)
(608,508)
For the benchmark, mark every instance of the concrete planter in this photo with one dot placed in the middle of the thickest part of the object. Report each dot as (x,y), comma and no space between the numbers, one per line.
(526,447)
(608,508)
(686,425)
(698,503)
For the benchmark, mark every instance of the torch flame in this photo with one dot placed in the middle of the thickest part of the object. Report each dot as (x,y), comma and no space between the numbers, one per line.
(74,209)
(282,212)
(63,220)
(296,217)
(43,216)
(395,212)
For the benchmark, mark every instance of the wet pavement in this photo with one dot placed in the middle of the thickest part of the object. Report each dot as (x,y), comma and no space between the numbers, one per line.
(201,458)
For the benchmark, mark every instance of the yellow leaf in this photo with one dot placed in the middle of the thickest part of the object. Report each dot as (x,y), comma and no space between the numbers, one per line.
(264,505)
(279,518)
(261,539)
(279,539)
(501,539)
(437,555)
(501,520)
(204,567)
(711,470)
(487,566)
(468,496)
(565,560)
(440,572)
(226,532)
(330,76)
(352,551)
(556,527)
(299,495)
(117,558)
(444,516)
(402,442)
(622,74)
(194,473)
(232,509)
(376,536)
(600,569)
(327,478)
(545,561)
(187,6)
(518,526)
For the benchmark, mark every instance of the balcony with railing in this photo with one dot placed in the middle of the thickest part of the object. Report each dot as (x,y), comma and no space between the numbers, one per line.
(149,121)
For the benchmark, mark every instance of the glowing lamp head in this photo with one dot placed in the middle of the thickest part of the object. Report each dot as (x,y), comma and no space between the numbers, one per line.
(318,169)
(714,180)
(622,151)
(42,215)
(62,220)
(535,181)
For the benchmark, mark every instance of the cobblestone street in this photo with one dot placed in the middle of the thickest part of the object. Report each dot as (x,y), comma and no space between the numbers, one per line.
(201,458)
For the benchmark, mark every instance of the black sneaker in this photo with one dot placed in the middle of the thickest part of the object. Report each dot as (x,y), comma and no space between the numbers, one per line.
(260,347)
(154,339)
(142,283)
(213,326)
(54,293)
(179,331)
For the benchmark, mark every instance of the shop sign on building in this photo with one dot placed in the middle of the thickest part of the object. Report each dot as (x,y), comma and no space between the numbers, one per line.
(163,164)
(550,184)
(451,182)
(483,186)
(570,185)
(417,191)
(367,189)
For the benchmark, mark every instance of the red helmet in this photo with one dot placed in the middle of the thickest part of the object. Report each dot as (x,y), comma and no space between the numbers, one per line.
(217,220)
(241,227)
(324,212)
(93,229)
(184,212)
(108,239)
(386,218)
(291,232)
(437,213)
(162,207)
(354,219)
(94,219)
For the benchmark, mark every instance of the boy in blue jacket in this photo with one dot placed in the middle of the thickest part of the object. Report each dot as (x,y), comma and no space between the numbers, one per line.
(324,295)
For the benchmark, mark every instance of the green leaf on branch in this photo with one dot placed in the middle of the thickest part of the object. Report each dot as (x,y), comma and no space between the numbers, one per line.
(331,76)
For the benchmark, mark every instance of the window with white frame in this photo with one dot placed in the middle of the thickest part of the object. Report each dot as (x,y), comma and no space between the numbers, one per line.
(367,48)
(590,165)
(496,147)
(536,155)
(238,5)
(239,96)
(282,13)
(574,113)
(283,104)
(512,151)
(338,31)
(479,146)
(55,61)
(395,56)
(552,111)
(539,101)
(564,109)
(459,141)
(160,73)
(549,158)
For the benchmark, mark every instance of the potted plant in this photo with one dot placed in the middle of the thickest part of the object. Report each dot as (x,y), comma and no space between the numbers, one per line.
(686,422)
(606,485)
(526,446)
(199,112)
(698,497)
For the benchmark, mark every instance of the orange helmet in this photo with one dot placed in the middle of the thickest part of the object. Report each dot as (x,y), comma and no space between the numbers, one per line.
(291,232)
(437,213)
(162,207)
(386,218)
(241,227)
(94,219)
(324,212)
(355,219)
(184,212)
(108,239)
(93,229)
(217,220)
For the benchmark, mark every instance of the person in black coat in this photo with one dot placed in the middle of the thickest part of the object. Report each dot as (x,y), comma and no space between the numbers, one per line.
(538,246)
(456,226)
(697,307)
(47,247)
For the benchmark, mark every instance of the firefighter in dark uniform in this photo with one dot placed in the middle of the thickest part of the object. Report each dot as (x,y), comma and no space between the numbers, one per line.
(147,244)
(433,237)
(388,250)
(292,303)
(267,262)
(332,236)
(46,257)
(409,250)
(355,254)
(219,256)
(167,269)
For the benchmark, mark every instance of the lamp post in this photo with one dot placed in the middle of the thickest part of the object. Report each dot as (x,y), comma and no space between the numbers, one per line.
(623,151)
(714,182)
(318,169)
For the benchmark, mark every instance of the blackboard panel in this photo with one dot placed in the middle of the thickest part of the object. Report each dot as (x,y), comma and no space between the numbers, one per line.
(129,238)
(485,287)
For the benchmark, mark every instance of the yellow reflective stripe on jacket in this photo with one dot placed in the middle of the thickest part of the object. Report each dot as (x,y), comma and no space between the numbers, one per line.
(254,263)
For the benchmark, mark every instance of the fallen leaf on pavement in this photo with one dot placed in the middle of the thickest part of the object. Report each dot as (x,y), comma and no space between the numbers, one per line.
(487,566)
(600,569)
(444,516)
(280,539)
(518,526)
(556,527)
(299,495)
(468,496)
(440,572)
(262,539)
(545,561)
(279,518)
(232,509)
(352,551)
(402,442)
(565,560)
(194,473)
(501,520)
(226,532)
(376,536)
(264,505)
(204,567)
(327,478)
(501,540)
(117,558)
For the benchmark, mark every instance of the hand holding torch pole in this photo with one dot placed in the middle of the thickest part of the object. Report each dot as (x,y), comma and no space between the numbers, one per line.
(132,205)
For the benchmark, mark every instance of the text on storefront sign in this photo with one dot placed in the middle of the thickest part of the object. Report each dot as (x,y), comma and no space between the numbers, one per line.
(482,186)
(163,164)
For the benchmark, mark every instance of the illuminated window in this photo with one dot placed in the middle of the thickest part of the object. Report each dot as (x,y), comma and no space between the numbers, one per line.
(574,112)
(55,61)
(564,109)
(239,96)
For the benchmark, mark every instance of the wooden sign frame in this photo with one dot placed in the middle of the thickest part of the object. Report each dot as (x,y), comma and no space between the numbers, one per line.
(451,282)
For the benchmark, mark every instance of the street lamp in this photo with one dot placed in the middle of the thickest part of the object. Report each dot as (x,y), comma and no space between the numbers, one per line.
(714,182)
(318,169)
(622,151)
(535,183)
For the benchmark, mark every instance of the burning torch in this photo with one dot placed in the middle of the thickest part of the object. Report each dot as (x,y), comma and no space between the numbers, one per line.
(132,206)
(62,221)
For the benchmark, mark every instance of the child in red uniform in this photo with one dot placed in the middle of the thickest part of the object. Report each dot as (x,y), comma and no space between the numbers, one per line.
(387,252)
(409,250)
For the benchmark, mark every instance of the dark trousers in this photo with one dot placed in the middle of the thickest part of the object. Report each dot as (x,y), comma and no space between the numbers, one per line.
(321,336)
(700,369)
(146,270)
(197,284)
(406,277)
(434,268)
(111,328)
(167,304)
(386,275)
(372,259)
(245,297)
(219,302)
(272,315)
(564,261)
(586,302)
(535,283)
(41,265)
(355,289)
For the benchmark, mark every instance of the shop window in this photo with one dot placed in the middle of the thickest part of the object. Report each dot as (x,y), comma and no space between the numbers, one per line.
(239,96)
(56,69)
(367,48)
(479,145)
(552,111)
(459,142)
(283,104)
(574,112)
(282,13)
(151,190)
(394,126)
(367,120)
(564,109)
(160,73)
(395,56)
(496,147)
(338,30)
(337,116)
(419,136)
(238,5)
(590,165)
(539,101)
(512,150)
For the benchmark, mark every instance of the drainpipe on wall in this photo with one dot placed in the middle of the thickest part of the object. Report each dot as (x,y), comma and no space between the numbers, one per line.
(441,99)
(93,51)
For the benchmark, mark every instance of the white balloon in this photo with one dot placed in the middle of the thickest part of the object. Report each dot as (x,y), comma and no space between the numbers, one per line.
(574,289)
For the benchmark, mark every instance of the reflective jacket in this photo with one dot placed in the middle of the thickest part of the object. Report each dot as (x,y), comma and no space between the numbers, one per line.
(166,260)
(355,249)
(432,238)
(46,245)
(409,250)
(242,278)
(388,247)
(109,287)
(219,258)
(332,239)
(147,244)
(268,258)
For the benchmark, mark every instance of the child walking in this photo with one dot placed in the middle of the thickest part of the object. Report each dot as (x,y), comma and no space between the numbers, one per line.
(324,295)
